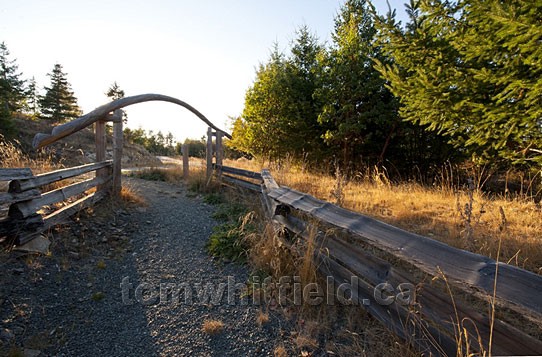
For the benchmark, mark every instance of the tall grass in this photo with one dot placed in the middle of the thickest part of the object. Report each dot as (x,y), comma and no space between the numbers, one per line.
(437,212)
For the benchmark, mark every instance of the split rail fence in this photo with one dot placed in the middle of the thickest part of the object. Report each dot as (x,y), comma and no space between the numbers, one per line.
(382,258)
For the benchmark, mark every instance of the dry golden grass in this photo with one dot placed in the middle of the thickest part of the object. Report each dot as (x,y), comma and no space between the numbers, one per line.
(11,156)
(433,212)
(130,195)
(212,327)
(280,351)
(262,318)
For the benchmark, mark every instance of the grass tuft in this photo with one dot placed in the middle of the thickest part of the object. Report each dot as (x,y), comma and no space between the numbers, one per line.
(212,327)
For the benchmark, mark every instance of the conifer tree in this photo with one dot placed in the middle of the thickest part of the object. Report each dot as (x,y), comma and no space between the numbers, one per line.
(471,70)
(359,113)
(12,92)
(59,102)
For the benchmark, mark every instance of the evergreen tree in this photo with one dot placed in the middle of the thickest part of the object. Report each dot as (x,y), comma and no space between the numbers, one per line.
(12,93)
(471,70)
(359,113)
(32,99)
(115,92)
(59,102)
(280,115)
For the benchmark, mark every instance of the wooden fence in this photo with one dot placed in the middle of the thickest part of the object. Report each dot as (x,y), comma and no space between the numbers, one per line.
(33,208)
(384,259)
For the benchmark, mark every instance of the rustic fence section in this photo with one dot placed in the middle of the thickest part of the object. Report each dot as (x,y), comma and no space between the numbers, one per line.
(434,319)
(27,195)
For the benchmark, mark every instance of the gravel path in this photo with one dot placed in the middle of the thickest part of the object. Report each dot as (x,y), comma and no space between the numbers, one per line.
(71,303)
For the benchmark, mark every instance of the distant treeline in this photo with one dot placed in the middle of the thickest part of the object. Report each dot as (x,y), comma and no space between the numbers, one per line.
(461,81)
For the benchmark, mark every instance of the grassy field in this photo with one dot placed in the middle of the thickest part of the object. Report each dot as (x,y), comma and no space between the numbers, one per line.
(466,218)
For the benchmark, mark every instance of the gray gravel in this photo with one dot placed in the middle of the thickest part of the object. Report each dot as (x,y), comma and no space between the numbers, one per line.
(71,304)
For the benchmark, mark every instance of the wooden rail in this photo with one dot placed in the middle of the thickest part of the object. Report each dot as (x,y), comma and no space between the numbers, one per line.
(431,323)
(25,198)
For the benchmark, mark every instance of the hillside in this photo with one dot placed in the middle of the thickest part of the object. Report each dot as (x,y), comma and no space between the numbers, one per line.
(79,148)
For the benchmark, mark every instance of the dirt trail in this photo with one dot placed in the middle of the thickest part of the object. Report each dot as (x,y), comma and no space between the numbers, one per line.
(72,302)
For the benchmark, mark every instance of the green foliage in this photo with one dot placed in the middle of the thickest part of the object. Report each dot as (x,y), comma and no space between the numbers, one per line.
(280,114)
(471,70)
(196,148)
(158,144)
(115,92)
(59,102)
(151,175)
(228,240)
(228,211)
(12,91)
(213,198)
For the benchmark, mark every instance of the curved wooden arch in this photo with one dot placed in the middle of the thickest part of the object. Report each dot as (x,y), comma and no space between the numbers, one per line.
(40,140)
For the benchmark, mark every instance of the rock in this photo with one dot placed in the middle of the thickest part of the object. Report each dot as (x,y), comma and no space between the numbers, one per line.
(40,244)
(27,352)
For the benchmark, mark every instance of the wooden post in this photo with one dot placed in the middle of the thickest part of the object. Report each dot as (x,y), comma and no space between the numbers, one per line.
(118,143)
(185,151)
(99,128)
(219,152)
(209,154)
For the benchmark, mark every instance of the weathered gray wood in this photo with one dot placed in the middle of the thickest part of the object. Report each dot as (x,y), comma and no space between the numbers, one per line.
(520,288)
(15,174)
(268,180)
(22,185)
(61,215)
(186,161)
(12,227)
(434,305)
(209,154)
(63,130)
(242,183)
(240,172)
(25,209)
(101,145)
(14,197)
(219,151)
(118,137)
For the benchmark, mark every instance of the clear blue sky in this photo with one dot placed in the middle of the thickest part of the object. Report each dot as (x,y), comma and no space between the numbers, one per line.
(203,52)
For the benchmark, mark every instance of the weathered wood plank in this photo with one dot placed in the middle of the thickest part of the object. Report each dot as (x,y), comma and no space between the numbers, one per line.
(15,174)
(520,288)
(239,172)
(25,209)
(11,227)
(433,305)
(209,154)
(14,197)
(21,185)
(62,215)
(241,183)
(63,130)
(268,180)
(185,148)
(219,150)
(118,137)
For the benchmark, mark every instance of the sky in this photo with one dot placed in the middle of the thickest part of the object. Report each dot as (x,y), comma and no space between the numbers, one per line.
(203,52)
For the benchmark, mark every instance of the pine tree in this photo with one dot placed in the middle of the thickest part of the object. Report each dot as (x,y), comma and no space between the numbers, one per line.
(32,99)
(359,113)
(115,92)
(12,93)
(471,70)
(59,102)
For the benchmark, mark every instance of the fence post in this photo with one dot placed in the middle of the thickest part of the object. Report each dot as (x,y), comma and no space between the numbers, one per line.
(219,152)
(118,142)
(209,154)
(100,140)
(185,149)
